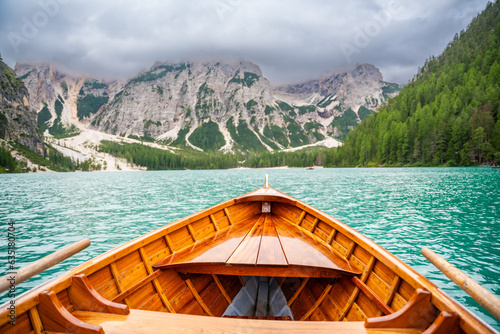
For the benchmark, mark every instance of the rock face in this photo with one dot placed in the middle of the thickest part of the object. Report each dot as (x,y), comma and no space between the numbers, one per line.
(343,99)
(17,121)
(64,103)
(207,105)
(350,89)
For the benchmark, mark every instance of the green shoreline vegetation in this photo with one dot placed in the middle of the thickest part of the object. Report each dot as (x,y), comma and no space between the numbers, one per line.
(448,115)
(51,159)
(159,159)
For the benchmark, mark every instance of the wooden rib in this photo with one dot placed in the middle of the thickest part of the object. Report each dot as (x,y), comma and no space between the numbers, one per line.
(368,269)
(212,219)
(299,290)
(228,218)
(370,294)
(314,224)
(169,243)
(301,218)
(242,282)
(282,281)
(221,288)
(144,258)
(331,237)
(191,231)
(35,321)
(391,294)
(156,284)
(393,289)
(350,250)
(116,274)
(163,297)
(198,298)
(317,303)
(136,286)
(356,291)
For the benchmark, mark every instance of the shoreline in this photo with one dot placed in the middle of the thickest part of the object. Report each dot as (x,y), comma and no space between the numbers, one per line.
(240,168)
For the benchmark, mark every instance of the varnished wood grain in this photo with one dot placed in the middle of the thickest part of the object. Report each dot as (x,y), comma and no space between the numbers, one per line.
(445,323)
(22,324)
(270,271)
(35,321)
(266,244)
(417,313)
(354,294)
(248,250)
(136,287)
(298,291)
(119,285)
(216,249)
(56,318)
(214,222)
(317,303)
(301,250)
(84,297)
(380,303)
(198,298)
(271,252)
(156,284)
(140,322)
(228,218)
(221,288)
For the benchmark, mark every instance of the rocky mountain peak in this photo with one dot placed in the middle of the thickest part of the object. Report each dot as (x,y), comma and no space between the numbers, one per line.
(183,103)
(17,120)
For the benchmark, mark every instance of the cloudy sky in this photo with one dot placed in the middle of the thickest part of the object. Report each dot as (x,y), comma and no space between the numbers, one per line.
(291,40)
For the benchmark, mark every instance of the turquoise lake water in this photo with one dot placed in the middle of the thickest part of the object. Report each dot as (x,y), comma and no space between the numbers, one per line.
(453,211)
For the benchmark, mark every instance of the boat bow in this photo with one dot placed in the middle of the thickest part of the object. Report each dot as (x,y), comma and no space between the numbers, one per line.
(266,244)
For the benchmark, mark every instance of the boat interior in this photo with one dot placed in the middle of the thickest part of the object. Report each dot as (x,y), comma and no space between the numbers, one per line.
(263,256)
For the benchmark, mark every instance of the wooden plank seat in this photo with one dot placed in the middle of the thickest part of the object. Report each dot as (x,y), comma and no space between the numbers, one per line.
(142,322)
(263,245)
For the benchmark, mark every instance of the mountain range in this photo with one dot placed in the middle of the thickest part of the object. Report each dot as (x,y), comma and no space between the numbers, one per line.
(207,106)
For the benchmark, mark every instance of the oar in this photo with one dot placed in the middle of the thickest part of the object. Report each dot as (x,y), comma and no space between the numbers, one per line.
(38,266)
(482,296)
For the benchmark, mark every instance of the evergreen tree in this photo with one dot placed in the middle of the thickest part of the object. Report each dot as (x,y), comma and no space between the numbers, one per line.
(448,114)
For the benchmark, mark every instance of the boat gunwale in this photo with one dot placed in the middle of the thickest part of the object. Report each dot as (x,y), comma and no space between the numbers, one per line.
(441,300)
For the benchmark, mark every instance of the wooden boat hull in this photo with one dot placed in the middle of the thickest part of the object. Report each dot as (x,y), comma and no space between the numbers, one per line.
(158,278)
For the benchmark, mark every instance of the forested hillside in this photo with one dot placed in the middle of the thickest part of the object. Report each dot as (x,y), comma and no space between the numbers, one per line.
(447,115)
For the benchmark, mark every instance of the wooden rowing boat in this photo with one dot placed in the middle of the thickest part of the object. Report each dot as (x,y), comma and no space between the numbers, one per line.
(248,264)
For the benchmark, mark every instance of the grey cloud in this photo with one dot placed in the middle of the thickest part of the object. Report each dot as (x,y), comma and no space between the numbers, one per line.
(291,40)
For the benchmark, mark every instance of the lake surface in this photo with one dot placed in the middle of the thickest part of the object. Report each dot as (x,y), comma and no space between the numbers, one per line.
(453,211)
